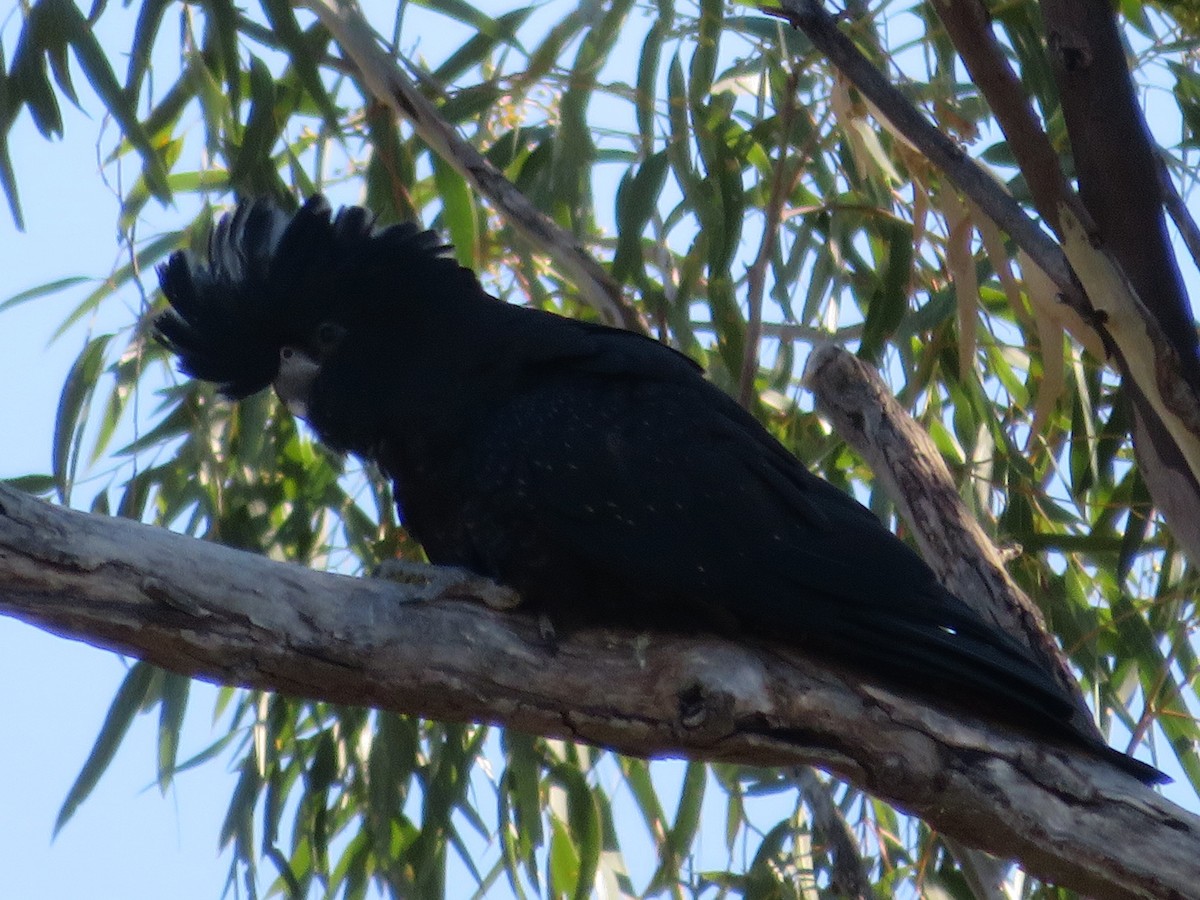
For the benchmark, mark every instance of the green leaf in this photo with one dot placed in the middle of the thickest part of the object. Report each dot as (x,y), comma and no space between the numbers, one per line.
(170,106)
(473,103)
(575,149)
(126,704)
(71,416)
(640,783)
(468,14)
(139,194)
(524,773)
(39,485)
(577,868)
(1140,644)
(8,179)
(679,146)
(563,860)
(458,212)
(477,48)
(144,34)
(173,704)
(889,301)
(704,59)
(687,816)
(28,79)
(1137,527)
(42,290)
(221,41)
(238,825)
(679,837)
(251,168)
(637,198)
(647,82)
(56,55)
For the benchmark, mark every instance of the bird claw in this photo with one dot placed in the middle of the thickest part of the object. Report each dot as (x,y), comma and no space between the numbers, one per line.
(447,583)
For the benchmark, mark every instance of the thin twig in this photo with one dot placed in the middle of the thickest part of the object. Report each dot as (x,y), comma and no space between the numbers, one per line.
(782,183)
(850,876)
(1189,232)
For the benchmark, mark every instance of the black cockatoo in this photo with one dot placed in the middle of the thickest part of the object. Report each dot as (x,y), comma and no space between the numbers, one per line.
(593,470)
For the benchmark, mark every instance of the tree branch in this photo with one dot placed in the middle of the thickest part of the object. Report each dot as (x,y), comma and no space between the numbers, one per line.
(388,84)
(232,617)
(783,182)
(1119,175)
(1177,209)
(1117,166)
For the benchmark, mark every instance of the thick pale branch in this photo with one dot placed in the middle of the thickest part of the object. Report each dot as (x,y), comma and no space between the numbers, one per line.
(387,83)
(1166,409)
(232,617)
(1151,358)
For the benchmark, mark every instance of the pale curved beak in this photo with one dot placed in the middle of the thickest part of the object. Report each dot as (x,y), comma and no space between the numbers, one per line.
(293,384)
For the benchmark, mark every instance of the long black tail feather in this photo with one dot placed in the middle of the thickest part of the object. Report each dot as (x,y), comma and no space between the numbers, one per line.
(969,662)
